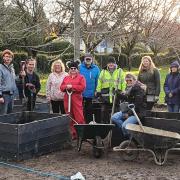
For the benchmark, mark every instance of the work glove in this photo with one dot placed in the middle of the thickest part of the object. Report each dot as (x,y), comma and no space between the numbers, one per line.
(98,94)
(156,98)
(118,92)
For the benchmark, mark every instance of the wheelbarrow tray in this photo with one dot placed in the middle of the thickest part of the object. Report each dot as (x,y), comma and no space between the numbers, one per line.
(90,131)
(152,138)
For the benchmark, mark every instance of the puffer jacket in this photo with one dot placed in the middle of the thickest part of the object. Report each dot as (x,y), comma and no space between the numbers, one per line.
(172,85)
(52,87)
(91,75)
(151,80)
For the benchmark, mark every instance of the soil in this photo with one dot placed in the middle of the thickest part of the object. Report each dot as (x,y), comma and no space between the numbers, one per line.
(110,166)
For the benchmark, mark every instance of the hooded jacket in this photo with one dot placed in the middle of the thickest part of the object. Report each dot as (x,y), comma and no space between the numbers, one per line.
(172,85)
(91,75)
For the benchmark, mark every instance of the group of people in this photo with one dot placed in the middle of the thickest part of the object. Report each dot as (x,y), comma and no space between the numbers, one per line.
(27,83)
(84,82)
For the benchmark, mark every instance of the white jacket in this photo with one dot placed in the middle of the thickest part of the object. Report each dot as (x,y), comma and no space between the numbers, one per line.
(54,81)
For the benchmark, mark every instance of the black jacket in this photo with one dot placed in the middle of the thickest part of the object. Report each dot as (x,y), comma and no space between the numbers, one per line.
(136,96)
(35,81)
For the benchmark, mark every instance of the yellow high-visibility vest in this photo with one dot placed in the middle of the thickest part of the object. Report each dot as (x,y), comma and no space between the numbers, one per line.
(112,81)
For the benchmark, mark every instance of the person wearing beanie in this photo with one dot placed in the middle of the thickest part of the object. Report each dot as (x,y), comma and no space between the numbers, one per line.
(110,81)
(74,83)
(7,82)
(91,73)
(172,88)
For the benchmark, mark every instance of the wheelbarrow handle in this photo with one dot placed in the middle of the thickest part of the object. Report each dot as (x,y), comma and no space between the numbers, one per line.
(132,107)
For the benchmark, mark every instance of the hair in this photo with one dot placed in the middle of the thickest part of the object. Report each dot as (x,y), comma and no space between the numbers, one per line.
(152,65)
(7,51)
(129,75)
(59,61)
(30,59)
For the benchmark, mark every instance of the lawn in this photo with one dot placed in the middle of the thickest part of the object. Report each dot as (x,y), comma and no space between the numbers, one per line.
(163,71)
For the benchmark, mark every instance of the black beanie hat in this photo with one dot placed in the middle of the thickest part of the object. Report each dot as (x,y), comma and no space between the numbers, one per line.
(72,63)
(111,59)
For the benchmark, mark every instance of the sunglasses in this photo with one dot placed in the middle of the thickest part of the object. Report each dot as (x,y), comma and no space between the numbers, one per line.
(129,80)
(73,68)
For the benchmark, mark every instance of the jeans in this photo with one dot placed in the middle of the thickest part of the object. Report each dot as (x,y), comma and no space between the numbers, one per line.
(173,108)
(7,106)
(117,118)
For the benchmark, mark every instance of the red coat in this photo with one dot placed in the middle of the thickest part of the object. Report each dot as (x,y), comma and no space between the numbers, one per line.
(78,85)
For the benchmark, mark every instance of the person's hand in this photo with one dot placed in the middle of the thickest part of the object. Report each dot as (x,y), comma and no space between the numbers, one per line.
(117,91)
(23,73)
(156,98)
(125,116)
(69,86)
(170,95)
(98,94)
(1,100)
(48,99)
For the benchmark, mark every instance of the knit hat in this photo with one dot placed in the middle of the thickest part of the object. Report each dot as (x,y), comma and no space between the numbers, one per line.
(88,58)
(111,59)
(174,64)
(73,63)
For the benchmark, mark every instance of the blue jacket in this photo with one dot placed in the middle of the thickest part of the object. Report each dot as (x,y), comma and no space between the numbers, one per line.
(172,84)
(91,75)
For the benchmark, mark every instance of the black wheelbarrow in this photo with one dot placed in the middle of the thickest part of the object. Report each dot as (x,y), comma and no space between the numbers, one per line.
(156,141)
(142,138)
(94,135)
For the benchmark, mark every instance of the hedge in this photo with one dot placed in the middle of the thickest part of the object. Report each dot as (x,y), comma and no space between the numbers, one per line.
(44,62)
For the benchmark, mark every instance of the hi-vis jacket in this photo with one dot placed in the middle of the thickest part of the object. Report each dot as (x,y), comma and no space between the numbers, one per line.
(108,82)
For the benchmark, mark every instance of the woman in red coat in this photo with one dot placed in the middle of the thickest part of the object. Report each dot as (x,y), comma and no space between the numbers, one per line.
(76,84)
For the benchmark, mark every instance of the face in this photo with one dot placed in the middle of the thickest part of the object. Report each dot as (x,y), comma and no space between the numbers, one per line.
(146,62)
(174,69)
(7,58)
(88,60)
(111,65)
(73,70)
(57,68)
(31,66)
(130,81)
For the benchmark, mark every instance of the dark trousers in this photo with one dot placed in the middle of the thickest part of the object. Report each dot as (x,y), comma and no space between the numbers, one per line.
(105,112)
(58,106)
(150,105)
(31,100)
(88,109)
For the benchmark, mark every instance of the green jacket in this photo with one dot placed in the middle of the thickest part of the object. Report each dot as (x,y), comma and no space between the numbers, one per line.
(151,80)
(108,82)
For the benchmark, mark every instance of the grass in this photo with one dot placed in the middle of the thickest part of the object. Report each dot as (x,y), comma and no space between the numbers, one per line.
(163,71)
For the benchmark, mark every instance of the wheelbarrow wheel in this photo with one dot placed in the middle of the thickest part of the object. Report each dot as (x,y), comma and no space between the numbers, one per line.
(97,148)
(128,155)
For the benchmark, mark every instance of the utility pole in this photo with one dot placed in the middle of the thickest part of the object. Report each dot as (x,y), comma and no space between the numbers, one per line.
(76,29)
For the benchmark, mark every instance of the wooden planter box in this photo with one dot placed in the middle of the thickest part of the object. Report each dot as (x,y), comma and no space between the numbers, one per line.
(25,134)
(39,107)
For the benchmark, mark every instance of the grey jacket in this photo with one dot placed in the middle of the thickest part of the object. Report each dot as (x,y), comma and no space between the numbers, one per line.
(7,79)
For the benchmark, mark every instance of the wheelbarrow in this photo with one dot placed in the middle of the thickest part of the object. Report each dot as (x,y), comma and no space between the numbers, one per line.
(94,135)
(142,138)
